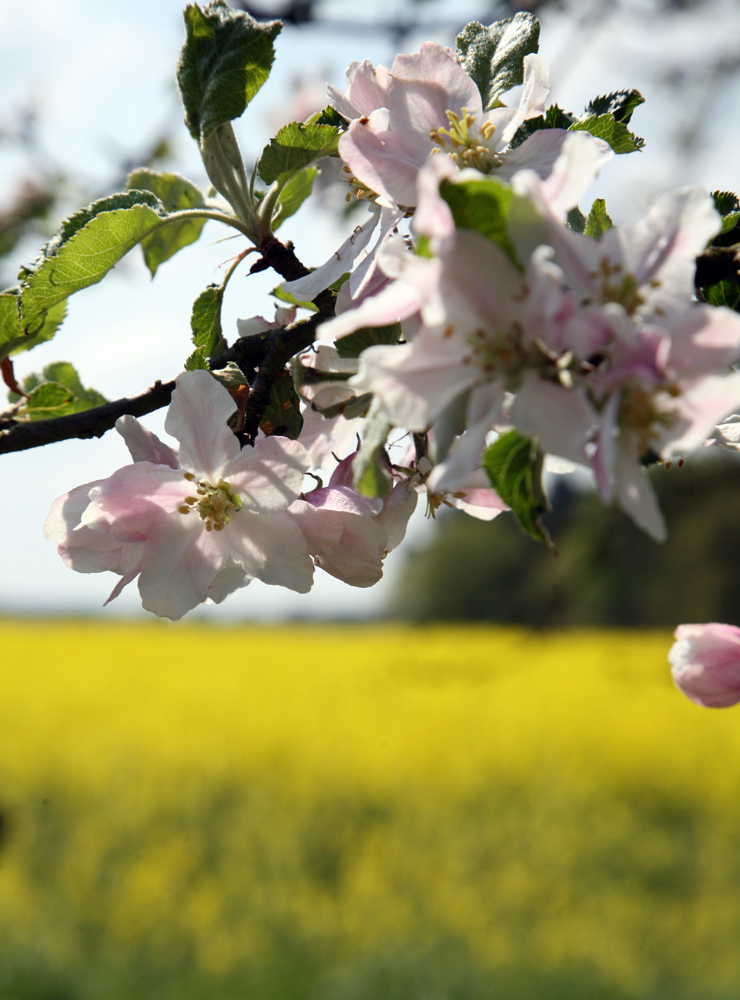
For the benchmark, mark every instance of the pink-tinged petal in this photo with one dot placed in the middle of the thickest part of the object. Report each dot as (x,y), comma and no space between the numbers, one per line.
(345,500)
(561,419)
(538,153)
(197,417)
(181,560)
(368,87)
(483,504)
(579,163)
(367,274)
(322,529)
(130,567)
(705,663)
(635,495)
(271,548)
(698,409)
(396,302)
(66,512)
(228,580)
(433,216)
(478,286)
(604,457)
(307,288)
(535,88)
(380,160)
(144,445)
(415,382)
(464,459)
(703,340)
(138,495)
(398,507)
(424,87)
(324,437)
(661,249)
(268,477)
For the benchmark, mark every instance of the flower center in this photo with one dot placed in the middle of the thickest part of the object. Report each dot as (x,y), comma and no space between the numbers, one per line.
(214,504)
(467,142)
(640,410)
(617,286)
(499,353)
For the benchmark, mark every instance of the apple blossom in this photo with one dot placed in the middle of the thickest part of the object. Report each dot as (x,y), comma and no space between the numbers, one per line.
(705,663)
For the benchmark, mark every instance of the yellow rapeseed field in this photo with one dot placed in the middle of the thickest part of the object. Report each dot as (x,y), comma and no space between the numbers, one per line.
(361,813)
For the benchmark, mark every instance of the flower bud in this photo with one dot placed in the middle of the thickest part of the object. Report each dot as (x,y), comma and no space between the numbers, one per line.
(705,663)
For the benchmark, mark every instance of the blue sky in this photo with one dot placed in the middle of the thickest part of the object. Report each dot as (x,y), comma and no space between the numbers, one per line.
(102,76)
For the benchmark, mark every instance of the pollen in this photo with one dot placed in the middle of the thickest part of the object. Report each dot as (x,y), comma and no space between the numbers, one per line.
(214,503)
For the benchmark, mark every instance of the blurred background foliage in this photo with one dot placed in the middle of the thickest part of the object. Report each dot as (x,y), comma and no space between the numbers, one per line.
(606,571)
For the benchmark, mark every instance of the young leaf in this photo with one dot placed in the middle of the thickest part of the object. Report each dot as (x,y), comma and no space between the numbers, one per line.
(12,338)
(494,56)
(225,59)
(85,249)
(576,220)
(371,474)
(294,147)
(353,345)
(554,117)
(614,132)
(176,194)
(621,104)
(728,206)
(598,220)
(283,413)
(514,466)
(205,321)
(484,206)
(723,293)
(293,195)
(197,360)
(57,392)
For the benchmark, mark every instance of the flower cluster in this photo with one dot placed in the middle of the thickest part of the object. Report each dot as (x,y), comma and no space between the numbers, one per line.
(476,308)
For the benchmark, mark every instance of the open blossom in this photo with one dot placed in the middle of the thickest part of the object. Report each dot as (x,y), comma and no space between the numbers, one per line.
(427,103)
(705,663)
(198,525)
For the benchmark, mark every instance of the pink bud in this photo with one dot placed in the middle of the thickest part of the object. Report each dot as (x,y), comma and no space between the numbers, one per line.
(705,663)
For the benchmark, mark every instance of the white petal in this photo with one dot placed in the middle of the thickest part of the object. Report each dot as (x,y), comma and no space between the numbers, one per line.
(197,417)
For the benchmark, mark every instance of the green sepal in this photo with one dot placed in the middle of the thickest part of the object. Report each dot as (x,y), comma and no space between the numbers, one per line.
(370,467)
(355,343)
(494,56)
(205,321)
(176,194)
(283,413)
(85,249)
(197,361)
(355,406)
(293,195)
(294,147)
(483,206)
(620,103)
(514,466)
(225,59)
(56,392)
(576,220)
(598,220)
(614,132)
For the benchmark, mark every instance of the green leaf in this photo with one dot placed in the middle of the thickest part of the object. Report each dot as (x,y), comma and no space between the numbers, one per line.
(723,293)
(281,295)
(514,466)
(355,343)
(598,220)
(176,194)
(197,360)
(205,321)
(57,392)
(614,132)
(576,220)
(85,249)
(370,466)
(225,59)
(554,117)
(620,103)
(483,206)
(728,206)
(283,413)
(293,195)
(329,116)
(294,147)
(494,56)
